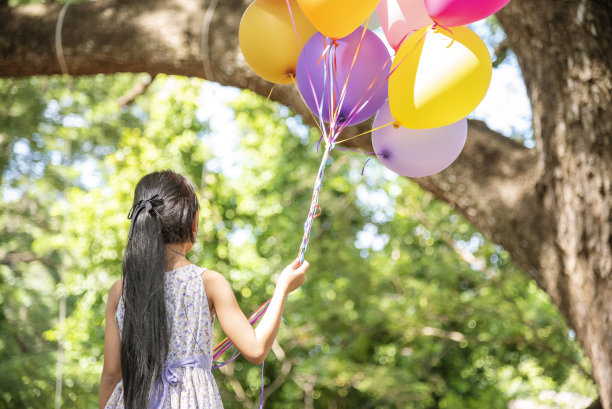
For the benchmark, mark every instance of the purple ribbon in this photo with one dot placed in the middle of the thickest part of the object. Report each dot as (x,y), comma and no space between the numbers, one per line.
(171,377)
(261,397)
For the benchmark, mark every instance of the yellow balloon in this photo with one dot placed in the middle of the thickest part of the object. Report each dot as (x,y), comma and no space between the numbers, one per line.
(268,39)
(338,18)
(442,76)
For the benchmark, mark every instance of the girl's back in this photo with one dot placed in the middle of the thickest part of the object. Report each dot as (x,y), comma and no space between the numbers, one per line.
(190,325)
(158,354)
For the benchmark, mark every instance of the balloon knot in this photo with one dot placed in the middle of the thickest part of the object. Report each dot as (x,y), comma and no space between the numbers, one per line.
(396,125)
(384,154)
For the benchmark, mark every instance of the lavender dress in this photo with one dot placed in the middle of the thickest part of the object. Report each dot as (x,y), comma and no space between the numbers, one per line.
(187,382)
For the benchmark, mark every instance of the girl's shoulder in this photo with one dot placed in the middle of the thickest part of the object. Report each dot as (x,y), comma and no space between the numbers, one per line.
(216,286)
(212,278)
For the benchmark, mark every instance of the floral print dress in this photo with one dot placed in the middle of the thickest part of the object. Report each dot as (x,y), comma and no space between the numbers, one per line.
(184,385)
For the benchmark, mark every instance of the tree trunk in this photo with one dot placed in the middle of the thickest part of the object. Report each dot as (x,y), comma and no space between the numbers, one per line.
(549,207)
(565,52)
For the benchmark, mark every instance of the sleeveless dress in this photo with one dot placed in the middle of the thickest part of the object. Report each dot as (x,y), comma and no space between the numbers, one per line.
(188,382)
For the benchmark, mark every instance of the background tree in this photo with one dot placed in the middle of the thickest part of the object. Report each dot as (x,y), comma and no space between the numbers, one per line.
(393,317)
(549,207)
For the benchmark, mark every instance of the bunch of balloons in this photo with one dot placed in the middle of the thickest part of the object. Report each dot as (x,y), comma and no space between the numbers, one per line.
(439,72)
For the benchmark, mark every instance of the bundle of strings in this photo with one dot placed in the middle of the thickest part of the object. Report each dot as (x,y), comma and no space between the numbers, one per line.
(329,134)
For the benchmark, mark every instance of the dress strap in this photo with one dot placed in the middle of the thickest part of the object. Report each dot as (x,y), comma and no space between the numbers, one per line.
(170,377)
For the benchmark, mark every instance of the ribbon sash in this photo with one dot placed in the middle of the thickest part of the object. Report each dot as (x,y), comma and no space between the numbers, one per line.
(171,377)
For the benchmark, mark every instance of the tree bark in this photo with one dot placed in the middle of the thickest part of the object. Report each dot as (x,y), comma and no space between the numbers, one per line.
(549,207)
(563,48)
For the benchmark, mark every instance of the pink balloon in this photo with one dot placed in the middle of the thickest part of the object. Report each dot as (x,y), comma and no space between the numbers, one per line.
(401,18)
(451,13)
(416,152)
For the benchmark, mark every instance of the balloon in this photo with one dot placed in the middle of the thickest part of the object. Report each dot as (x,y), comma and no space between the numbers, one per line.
(268,39)
(461,12)
(366,89)
(337,18)
(416,152)
(401,18)
(441,76)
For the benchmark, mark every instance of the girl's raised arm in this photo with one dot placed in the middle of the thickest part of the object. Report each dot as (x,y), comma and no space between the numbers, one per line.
(254,344)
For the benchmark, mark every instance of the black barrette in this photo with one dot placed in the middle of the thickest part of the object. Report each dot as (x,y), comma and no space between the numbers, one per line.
(142,204)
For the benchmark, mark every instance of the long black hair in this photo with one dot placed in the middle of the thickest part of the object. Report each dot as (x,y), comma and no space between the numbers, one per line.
(164,208)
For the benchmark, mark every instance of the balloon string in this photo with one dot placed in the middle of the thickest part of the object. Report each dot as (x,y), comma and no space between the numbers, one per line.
(408,34)
(319,106)
(333,88)
(293,22)
(252,319)
(314,204)
(316,121)
(326,49)
(272,89)
(345,86)
(326,77)
(226,343)
(436,25)
(420,40)
(365,133)
(361,104)
(364,165)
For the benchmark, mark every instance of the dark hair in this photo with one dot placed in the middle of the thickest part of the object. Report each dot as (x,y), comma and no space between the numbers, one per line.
(144,339)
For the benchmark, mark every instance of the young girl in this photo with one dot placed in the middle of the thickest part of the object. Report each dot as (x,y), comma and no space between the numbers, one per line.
(159,316)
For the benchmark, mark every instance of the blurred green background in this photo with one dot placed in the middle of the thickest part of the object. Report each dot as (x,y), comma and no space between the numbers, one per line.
(406,304)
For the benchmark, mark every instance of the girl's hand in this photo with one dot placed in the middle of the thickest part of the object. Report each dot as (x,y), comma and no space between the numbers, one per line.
(293,275)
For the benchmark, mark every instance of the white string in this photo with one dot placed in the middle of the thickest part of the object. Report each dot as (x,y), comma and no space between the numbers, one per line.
(210,11)
(59,50)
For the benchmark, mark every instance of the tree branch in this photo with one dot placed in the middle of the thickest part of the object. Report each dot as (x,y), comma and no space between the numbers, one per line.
(501,52)
(596,404)
(137,90)
(493,183)
(12,259)
(286,366)
(240,395)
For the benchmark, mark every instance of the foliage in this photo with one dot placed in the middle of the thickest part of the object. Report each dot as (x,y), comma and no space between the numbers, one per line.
(406,305)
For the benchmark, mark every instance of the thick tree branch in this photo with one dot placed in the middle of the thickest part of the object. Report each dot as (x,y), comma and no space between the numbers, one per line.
(166,37)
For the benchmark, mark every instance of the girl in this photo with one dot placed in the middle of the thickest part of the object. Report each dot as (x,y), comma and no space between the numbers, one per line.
(159,316)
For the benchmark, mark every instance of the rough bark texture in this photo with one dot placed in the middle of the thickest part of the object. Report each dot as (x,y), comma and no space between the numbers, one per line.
(549,207)
(565,53)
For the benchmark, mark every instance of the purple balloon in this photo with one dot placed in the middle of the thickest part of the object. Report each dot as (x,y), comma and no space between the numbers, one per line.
(416,152)
(366,89)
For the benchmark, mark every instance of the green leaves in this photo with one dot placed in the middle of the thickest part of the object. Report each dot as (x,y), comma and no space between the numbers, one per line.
(405,306)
